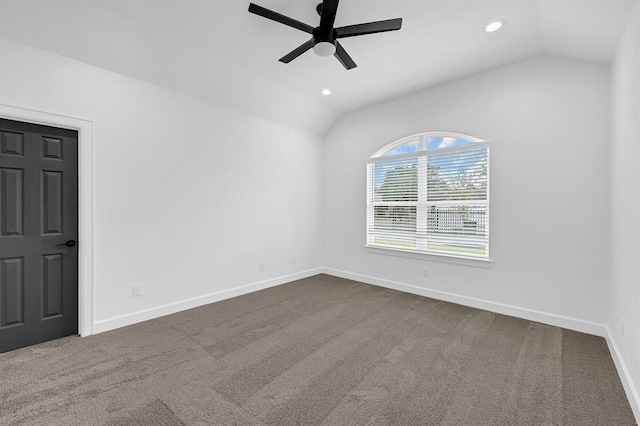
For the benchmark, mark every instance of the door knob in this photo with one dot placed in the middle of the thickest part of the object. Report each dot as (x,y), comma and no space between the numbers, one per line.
(69,243)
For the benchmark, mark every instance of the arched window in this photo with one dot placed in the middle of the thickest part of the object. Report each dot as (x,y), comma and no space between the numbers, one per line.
(429,193)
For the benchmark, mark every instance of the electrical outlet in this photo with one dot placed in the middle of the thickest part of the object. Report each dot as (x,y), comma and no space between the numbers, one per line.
(261,267)
(136,290)
(425,272)
(622,327)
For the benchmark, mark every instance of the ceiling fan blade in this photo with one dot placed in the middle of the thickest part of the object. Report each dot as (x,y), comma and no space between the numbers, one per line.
(275,16)
(328,17)
(344,57)
(297,52)
(369,28)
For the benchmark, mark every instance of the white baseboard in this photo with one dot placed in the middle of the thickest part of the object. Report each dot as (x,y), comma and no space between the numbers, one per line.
(500,308)
(627,382)
(171,308)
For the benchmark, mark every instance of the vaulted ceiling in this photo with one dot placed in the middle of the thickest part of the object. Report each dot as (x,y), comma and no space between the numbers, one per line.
(216,50)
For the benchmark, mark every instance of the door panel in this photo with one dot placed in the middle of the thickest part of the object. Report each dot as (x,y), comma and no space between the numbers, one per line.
(12,291)
(11,143)
(52,284)
(51,202)
(11,205)
(38,213)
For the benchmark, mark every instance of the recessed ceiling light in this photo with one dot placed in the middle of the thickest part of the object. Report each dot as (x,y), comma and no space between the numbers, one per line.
(326,92)
(494,26)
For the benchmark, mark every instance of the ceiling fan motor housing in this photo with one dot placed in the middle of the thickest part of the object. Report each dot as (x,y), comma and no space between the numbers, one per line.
(324,44)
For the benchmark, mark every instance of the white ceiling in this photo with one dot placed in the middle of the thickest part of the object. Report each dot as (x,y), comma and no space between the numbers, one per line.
(198,45)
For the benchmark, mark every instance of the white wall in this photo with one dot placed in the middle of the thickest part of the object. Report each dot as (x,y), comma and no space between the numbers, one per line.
(547,119)
(189,197)
(624,280)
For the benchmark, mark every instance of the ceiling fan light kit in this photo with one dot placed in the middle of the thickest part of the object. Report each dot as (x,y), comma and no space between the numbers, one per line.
(324,37)
(324,48)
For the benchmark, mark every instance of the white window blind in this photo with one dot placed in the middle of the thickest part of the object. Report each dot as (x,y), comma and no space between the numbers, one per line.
(430,194)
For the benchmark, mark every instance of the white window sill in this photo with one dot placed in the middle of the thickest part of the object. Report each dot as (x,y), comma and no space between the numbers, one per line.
(430,257)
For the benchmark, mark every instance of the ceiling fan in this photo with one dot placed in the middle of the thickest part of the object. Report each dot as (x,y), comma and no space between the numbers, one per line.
(324,38)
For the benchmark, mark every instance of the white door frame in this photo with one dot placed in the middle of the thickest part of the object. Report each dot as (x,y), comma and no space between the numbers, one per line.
(85,201)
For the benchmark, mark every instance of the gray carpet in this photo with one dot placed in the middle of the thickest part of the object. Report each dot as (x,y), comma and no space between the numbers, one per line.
(318,351)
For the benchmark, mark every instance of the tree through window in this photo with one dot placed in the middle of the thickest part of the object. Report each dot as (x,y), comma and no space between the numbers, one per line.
(430,193)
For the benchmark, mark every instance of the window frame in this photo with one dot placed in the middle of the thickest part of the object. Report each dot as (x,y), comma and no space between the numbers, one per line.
(421,154)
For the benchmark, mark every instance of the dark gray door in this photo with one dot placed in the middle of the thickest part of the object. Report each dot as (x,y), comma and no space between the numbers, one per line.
(38,215)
